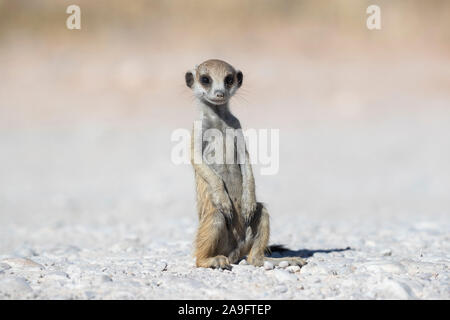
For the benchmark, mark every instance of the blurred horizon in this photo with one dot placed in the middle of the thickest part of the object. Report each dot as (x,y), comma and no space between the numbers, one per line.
(128,60)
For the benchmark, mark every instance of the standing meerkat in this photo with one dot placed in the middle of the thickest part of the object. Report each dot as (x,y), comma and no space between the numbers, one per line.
(232,224)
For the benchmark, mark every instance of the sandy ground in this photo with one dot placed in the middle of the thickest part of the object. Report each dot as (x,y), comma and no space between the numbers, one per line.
(100,212)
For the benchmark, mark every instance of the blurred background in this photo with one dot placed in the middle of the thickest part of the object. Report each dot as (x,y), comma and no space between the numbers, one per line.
(86,115)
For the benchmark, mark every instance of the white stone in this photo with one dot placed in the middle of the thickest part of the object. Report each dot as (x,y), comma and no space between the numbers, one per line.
(293,269)
(243,262)
(268,265)
(162,266)
(284,276)
(283,264)
(57,275)
(314,268)
(281,289)
(23,263)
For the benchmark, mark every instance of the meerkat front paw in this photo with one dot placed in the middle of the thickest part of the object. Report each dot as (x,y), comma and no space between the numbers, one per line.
(217,262)
(223,204)
(248,206)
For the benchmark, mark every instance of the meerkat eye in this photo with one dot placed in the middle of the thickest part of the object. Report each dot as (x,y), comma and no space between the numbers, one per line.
(205,80)
(229,79)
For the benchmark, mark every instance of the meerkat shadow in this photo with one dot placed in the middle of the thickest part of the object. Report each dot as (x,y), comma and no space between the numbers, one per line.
(280,251)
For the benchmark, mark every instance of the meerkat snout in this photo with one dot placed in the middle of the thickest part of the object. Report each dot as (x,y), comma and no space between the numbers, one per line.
(219,93)
(214,81)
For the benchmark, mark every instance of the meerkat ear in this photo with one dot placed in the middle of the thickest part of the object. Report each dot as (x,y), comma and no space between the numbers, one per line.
(189,77)
(240,78)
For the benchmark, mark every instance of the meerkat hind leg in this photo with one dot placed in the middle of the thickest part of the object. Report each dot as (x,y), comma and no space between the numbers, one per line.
(211,239)
(260,236)
(261,227)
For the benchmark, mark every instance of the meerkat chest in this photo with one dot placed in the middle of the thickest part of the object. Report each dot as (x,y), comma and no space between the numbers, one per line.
(223,145)
(224,152)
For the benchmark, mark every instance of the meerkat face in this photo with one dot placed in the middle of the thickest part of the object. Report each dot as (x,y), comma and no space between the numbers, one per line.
(214,81)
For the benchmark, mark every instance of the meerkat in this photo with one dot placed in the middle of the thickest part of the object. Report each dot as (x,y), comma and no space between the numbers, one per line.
(232,224)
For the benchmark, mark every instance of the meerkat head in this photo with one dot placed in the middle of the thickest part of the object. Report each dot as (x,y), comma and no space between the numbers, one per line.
(214,81)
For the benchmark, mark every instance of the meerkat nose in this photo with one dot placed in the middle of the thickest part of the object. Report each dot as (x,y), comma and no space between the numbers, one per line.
(219,93)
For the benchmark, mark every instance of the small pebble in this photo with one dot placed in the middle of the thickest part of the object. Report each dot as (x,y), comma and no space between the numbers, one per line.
(281,289)
(283,264)
(162,266)
(106,278)
(283,275)
(23,263)
(268,265)
(57,275)
(243,262)
(293,269)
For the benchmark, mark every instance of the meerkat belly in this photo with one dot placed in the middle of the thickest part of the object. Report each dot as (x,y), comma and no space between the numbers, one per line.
(232,178)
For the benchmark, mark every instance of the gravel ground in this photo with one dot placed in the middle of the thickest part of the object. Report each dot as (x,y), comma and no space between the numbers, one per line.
(92,207)
(95,213)
(383,262)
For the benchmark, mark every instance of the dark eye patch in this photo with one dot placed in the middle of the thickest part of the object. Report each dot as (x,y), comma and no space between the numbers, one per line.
(229,80)
(205,80)
(239,77)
